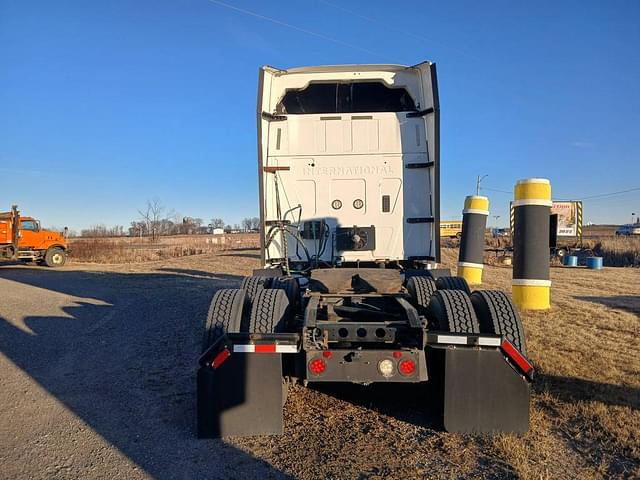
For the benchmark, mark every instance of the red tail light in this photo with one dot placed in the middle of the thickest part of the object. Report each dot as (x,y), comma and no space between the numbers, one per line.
(317,366)
(520,360)
(326,354)
(220,358)
(407,367)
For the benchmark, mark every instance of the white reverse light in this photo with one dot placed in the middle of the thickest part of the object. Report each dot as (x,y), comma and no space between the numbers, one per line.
(386,368)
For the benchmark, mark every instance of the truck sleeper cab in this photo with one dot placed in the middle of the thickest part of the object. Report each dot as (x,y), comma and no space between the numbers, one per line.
(348,161)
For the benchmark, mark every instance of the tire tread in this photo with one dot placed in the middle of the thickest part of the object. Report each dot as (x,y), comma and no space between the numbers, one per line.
(224,315)
(498,315)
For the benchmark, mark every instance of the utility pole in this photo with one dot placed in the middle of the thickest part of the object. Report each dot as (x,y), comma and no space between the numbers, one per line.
(478,180)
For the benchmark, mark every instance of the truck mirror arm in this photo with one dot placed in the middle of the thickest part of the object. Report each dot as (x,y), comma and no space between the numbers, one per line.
(272,117)
(421,113)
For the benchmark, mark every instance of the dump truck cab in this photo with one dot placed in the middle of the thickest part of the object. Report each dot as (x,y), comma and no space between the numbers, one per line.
(23,238)
(351,289)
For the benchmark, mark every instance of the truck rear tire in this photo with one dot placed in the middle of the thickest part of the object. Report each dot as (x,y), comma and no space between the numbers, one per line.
(453,283)
(420,289)
(269,311)
(253,284)
(225,315)
(55,257)
(290,287)
(498,315)
(453,312)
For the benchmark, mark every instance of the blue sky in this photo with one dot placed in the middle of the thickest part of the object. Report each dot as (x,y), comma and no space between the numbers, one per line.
(104,105)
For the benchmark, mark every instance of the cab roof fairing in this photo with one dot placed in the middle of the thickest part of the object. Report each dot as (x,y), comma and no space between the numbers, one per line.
(299,78)
(343,68)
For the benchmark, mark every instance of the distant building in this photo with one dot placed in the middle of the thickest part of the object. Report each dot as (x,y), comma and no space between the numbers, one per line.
(218,231)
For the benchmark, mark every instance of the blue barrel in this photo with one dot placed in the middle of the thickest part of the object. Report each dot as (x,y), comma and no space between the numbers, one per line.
(570,260)
(594,263)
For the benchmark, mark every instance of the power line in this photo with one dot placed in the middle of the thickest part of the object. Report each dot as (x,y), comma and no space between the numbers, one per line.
(621,192)
(590,197)
(295,27)
(496,190)
(406,32)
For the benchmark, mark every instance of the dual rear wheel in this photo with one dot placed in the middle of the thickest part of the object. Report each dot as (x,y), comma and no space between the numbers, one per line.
(253,308)
(449,306)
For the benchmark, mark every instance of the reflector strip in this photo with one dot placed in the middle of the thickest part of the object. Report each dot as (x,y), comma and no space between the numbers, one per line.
(489,342)
(452,339)
(220,358)
(469,340)
(265,348)
(244,348)
(519,359)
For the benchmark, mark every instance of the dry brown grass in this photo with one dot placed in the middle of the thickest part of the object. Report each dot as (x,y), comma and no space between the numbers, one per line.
(585,417)
(136,250)
(616,251)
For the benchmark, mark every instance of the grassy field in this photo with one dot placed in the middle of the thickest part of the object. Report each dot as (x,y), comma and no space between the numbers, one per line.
(137,250)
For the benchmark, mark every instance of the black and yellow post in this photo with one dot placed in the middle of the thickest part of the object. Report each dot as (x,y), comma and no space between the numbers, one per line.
(532,206)
(474,223)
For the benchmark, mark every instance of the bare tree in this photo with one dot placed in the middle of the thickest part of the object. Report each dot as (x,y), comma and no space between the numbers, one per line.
(217,223)
(152,216)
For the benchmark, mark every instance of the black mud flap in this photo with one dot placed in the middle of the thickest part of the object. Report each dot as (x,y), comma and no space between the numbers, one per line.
(243,396)
(482,392)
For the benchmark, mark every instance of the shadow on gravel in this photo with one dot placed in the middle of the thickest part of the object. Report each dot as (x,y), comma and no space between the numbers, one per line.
(245,255)
(234,280)
(406,402)
(122,355)
(628,303)
(571,389)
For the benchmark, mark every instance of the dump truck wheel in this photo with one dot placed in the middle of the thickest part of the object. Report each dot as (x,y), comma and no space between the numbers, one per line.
(254,284)
(420,289)
(290,287)
(225,315)
(269,311)
(55,257)
(453,283)
(497,314)
(453,312)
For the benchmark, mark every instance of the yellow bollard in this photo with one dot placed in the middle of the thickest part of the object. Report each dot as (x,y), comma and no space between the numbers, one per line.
(531,284)
(474,223)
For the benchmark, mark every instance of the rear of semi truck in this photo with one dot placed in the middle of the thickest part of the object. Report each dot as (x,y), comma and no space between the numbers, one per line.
(350,290)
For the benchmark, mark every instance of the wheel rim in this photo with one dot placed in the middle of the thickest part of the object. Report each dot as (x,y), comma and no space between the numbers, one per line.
(56,258)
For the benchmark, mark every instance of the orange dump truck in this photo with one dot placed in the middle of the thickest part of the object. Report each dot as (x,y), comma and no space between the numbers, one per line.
(22,238)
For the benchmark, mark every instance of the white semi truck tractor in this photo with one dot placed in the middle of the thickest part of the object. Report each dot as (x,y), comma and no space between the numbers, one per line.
(351,289)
